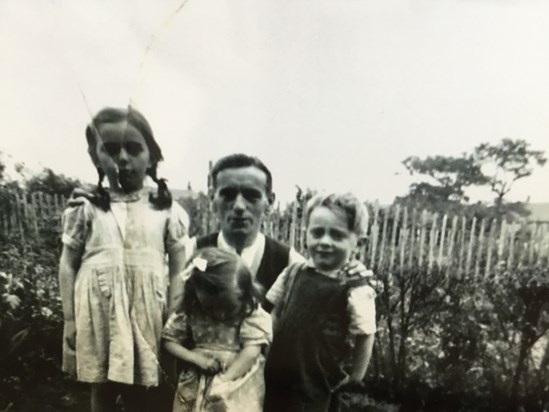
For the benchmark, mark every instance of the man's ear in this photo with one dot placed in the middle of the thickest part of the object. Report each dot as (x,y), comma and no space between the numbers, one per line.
(271,197)
(360,244)
(361,241)
(211,196)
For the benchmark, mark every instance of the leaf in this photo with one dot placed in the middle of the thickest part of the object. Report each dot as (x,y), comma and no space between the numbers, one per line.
(12,300)
(17,340)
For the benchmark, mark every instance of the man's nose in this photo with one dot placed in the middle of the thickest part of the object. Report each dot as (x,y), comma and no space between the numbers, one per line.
(239,202)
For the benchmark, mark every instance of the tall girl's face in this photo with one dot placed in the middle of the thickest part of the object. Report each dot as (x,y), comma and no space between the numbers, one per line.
(123,155)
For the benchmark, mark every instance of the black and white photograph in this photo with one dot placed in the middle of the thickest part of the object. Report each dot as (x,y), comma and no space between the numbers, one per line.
(274,206)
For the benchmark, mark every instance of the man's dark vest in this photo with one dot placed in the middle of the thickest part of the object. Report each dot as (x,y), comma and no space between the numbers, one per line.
(275,258)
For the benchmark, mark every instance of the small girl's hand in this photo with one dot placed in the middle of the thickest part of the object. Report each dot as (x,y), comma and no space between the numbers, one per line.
(208,365)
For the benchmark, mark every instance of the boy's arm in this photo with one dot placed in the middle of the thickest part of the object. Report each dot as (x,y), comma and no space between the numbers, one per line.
(242,363)
(362,353)
(363,327)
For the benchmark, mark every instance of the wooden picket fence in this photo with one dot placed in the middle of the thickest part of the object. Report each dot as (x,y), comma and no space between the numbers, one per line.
(25,214)
(398,237)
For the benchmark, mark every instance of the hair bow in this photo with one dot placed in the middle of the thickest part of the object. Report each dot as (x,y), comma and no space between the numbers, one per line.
(197,263)
(200,263)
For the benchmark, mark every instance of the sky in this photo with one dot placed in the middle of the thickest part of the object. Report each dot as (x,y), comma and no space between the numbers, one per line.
(330,94)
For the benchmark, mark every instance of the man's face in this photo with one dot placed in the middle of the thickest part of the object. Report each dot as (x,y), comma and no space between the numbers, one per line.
(241,202)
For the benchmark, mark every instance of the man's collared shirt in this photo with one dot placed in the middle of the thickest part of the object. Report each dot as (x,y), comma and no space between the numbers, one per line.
(252,254)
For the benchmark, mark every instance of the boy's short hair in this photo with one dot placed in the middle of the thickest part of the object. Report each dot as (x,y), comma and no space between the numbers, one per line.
(355,211)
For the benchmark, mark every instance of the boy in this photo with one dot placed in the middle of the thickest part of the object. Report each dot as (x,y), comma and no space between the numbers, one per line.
(323,318)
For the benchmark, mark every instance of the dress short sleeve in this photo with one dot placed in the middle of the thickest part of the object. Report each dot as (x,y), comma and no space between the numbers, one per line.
(177,236)
(76,221)
(256,329)
(362,308)
(175,329)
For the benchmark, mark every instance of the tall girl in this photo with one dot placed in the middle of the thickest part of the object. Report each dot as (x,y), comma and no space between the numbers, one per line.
(114,286)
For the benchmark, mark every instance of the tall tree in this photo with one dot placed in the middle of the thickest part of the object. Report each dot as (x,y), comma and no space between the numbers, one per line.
(506,162)
(449,177)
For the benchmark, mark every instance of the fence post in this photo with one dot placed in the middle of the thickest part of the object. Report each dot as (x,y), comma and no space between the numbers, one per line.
(374,235)
(412,238)
(490,247)
(432,241)
(403,238)
(470,247)
(396,220)
(422,237)
(442,237)
(383,237)
(479,247)
(461,252)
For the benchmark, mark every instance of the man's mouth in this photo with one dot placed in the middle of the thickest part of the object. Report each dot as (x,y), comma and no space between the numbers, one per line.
(239,221)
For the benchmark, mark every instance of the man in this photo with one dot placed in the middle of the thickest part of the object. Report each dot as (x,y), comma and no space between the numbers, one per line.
(242,196)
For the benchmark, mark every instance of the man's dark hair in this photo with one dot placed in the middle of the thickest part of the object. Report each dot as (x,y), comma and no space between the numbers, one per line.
(239,160)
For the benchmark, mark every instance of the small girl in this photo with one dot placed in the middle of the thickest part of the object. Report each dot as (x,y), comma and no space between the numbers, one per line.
(219,333)
(112,276)
(324,318)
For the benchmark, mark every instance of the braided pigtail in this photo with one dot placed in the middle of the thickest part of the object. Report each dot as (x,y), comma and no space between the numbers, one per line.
(163,197)
(101,197)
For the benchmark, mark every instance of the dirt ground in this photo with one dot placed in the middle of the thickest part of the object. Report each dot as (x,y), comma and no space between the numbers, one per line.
(55,395)
(63,395)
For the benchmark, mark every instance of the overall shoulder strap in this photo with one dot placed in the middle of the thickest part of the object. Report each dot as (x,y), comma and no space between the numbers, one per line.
(207,241)
(291,275)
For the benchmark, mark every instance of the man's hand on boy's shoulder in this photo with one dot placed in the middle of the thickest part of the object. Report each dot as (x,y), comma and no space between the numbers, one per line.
(356,268)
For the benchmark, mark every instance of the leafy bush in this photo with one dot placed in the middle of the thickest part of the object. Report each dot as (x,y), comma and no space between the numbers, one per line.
(30,314)
(452,343)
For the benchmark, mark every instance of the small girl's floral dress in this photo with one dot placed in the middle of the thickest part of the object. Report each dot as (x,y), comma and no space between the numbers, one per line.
(197,392)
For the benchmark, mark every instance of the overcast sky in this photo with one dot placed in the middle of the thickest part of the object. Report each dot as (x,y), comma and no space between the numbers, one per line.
(331,95)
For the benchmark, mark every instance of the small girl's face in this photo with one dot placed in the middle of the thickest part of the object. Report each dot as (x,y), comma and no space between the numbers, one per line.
(123,155)
(329,240)
(221,306)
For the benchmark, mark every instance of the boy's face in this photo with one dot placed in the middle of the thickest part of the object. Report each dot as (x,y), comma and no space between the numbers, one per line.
(329,240)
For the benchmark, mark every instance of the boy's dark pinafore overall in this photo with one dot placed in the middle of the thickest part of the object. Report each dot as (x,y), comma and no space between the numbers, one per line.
(310,346)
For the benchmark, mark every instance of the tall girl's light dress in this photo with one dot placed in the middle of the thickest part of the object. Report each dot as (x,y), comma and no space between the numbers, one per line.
(197,392)
(120,291)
